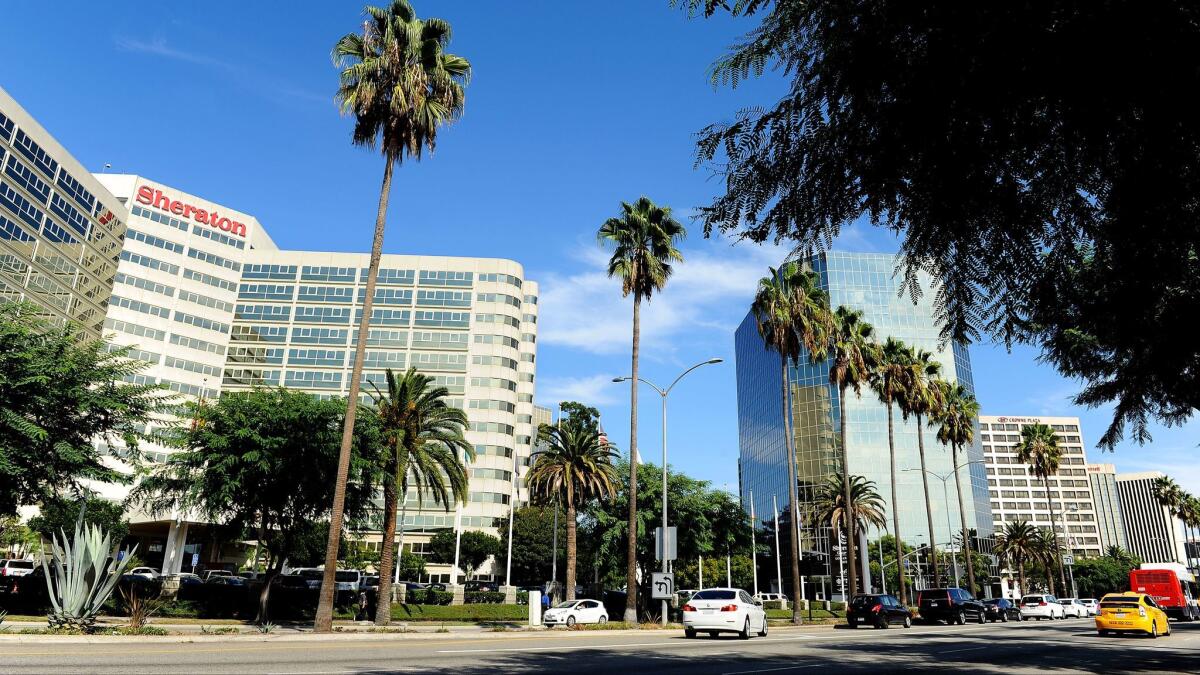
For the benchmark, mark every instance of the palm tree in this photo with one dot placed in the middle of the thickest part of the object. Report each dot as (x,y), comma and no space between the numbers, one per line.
(1190,514)
(957,418)
(854,357)
(922,399)
(1039,450)
(889,381)
(867,508)
(1168,493)
(1016,544)
(643,240)
(791,312)
(575,465)
(422,439)
(401,86)
(1049,550)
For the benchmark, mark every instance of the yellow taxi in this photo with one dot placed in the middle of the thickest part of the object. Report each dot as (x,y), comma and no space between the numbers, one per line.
(1131,612)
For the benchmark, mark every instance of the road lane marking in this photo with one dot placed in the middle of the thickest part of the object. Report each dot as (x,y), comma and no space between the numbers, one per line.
(771,670)
(698,644)
(964,649)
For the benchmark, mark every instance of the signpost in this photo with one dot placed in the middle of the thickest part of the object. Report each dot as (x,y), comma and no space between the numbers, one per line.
(195,561)
(662,586)
(671,541)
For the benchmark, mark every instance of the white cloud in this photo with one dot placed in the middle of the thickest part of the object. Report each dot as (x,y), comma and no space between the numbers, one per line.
(595,390)
(710,291)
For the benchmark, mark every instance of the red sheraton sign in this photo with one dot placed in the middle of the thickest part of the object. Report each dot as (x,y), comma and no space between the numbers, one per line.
(155,198)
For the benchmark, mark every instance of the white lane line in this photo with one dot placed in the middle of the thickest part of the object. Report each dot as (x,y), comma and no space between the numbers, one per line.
(964,649)
(673,643)
(769,670)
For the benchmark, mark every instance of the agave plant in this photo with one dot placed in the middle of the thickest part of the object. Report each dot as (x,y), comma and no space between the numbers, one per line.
(82,576)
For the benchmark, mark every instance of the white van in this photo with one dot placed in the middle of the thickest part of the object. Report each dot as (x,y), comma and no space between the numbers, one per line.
(15,568)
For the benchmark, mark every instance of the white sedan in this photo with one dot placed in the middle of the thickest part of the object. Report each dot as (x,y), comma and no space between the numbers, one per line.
(723,610)
(1073,607)
(572,612)
(1041,606)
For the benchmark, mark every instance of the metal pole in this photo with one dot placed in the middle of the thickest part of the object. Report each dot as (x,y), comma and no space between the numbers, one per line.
(949,529)
(664,498)
(700,570)
(882,574)
(778,568)
(753,545)
(554,557)
(728,570)
(512,506)
(842,565)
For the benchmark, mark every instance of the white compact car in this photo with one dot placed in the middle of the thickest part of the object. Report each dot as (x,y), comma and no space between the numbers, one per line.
(1041,606)
(572,612)
(1090,604)
(147,573)
(16,568)
(723,610)
(1073,608)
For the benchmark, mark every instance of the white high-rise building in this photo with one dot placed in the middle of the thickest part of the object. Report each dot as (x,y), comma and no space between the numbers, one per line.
(1154,535)
(1017,495)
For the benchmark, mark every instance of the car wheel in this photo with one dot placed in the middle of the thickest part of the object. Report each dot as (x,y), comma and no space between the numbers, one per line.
(882,623)
(962,618)
(603,619)
(852,622)
(982,618)
(689,633)
(1153,630)
(745,634)
(712,633)
(1004,617)
(1102,633)
(908,622)
(764,630)
(571,621)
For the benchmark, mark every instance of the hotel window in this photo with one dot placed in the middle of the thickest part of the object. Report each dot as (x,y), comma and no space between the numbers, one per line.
(316,357)
(496,382)
(204,300)
(444,278)
(144,284)
(501,278)
(201,322)
(443,298)
(529,318)
(75,189)
(137,306)
(498,297)
(455,384)
(192,366)
(213,259)
(439,340)
(199,345)
(315,379)
(251,377)
(484,360)
(442,319)
(390,276)
(256,355)
(371,359)
(322,314)
(75,220)
(209,279)
(531,299)
(491,404)
(278,272)
(265,292)
(425,361)
(494,450)
(24,209)
(387,296)
(498,474)
(274,313)
(319,336)
(381,337)
(503,319)
(135,329)
(335,274)
(385,317)
(341,294)
(34,152)
(493,427)
(259,334)
(218,237)
(160,218)
(26,178)
(190,389)
(497,340)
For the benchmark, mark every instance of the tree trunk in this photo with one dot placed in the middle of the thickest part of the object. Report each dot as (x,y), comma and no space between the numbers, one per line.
(847,506)
(895,508)
(387,554)
(631,563)
(1057,553)
(793,499)
(570,551)
(937,576)
(962,516)
(1021,577)
(264,595)
(323,621)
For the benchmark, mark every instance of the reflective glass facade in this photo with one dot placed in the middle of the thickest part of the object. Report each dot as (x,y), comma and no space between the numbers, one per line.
(60,230)
(862,281)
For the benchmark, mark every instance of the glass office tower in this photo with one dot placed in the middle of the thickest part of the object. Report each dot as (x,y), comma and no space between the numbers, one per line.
(863,281)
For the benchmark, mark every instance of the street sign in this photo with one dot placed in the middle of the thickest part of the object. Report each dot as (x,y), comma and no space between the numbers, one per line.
(1068,560)
(195,560)
(662,586)
(671,540)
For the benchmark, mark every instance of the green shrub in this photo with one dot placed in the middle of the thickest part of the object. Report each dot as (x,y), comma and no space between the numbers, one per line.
(468,613)
(483,598)
(430,596)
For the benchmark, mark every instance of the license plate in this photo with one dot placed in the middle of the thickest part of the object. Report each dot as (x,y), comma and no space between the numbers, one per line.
(1119,616)
(933,604)
(707,611)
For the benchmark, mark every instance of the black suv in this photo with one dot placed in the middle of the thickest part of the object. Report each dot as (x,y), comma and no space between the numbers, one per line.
(952,605)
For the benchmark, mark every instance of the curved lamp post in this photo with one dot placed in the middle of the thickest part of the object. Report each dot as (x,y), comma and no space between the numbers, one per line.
(663,394)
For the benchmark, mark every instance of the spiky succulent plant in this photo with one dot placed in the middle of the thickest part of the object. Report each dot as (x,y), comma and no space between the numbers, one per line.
(80,576)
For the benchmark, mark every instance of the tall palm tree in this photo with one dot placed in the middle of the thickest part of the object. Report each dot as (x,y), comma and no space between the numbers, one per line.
(1016,544)
(791,311)
(922,400)
(889,380)
(422,439)
(854,356)
(1190,514)
(867,508)
(575,465)
(1038,449)
(1049,550)
(643,239)
(400,85)
(1168,493)
(956,419)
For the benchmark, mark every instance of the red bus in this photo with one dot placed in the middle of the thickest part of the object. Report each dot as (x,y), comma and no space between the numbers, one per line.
(1171,586)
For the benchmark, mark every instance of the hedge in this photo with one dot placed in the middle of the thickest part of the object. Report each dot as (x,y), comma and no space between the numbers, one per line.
(476,612)
(483,598)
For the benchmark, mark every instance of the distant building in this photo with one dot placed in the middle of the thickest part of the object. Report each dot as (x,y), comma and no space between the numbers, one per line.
(1154,535)
(1017,495)
(60,229)
(1103,478)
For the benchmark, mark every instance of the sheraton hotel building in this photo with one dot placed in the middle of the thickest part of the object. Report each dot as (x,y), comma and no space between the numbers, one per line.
(202,294)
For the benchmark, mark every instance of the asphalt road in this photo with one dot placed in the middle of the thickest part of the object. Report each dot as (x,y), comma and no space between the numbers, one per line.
(1061,646)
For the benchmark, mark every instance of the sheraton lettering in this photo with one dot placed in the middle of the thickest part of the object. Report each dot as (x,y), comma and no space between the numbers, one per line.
(156,199)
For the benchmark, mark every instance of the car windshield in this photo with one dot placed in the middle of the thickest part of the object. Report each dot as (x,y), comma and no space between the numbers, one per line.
(1032,599)
(715,595)
(20,564)
(346,576)
(312,574)
(862,600)
(991,601)
(565,605)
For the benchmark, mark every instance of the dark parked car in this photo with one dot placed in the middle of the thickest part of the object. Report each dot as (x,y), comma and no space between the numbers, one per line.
(952,605)
(879,611)
(1001,609)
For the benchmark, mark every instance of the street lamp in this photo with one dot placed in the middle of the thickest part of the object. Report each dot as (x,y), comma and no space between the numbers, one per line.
(663,393)
(945,478)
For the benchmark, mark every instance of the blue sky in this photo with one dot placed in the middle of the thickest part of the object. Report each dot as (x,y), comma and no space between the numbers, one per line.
(573,108)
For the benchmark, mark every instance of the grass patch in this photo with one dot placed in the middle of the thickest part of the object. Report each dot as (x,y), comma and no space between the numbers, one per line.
(465,613)
(816,614)
(622,625)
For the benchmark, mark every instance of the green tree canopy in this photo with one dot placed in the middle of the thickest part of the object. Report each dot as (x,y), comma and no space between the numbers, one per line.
(1049,188)
(265,460)
(59,394)
(532,552)
(474,549)
(57,517)
(581,414)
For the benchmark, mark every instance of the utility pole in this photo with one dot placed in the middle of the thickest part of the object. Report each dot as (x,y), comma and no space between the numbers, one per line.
(753,545)
(778,567)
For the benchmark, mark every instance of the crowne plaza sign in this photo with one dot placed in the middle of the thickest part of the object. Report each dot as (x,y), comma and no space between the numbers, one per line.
(156,199)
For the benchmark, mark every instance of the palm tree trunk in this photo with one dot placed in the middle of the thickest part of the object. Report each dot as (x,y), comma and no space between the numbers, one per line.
(793,497)
(571,551)
(937,576)
(631,563)
(1053,519)
(848,506)
(962,516)
(1021,577)
(323,621)
(895,508)
(387,555)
